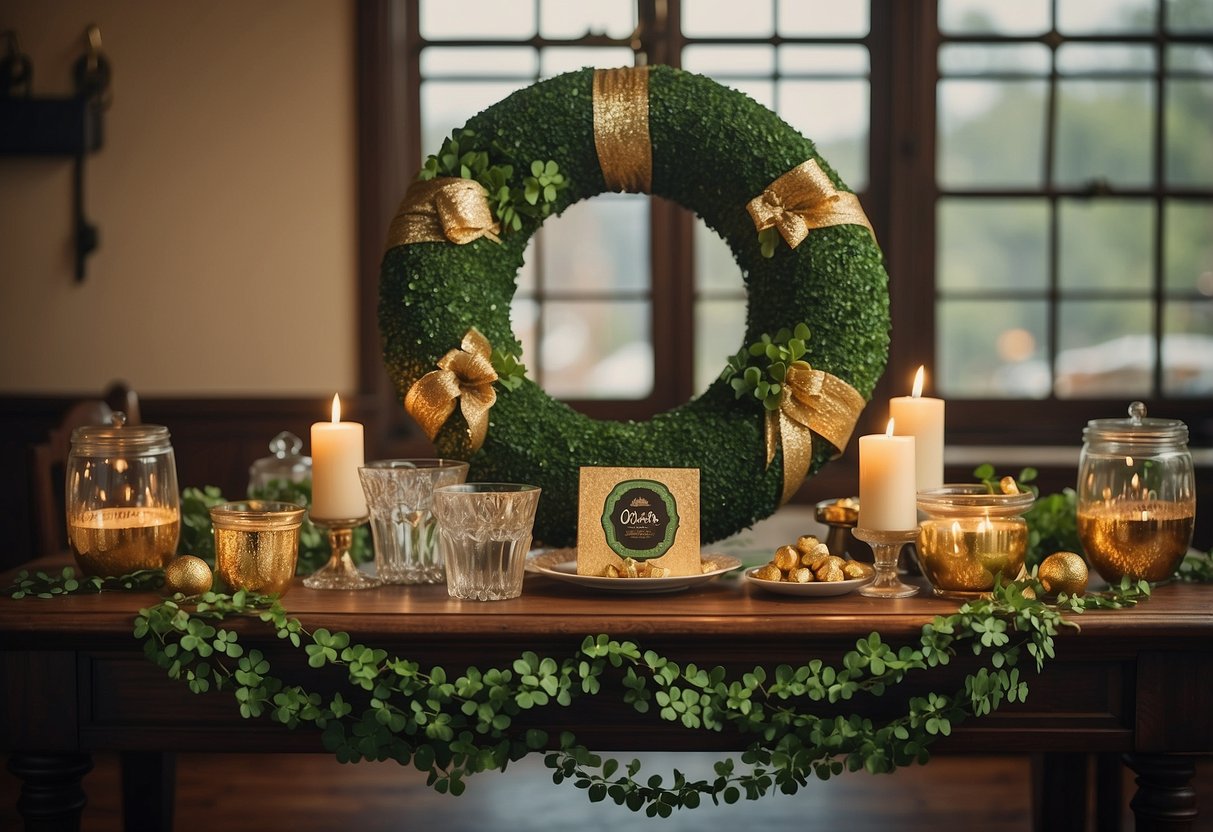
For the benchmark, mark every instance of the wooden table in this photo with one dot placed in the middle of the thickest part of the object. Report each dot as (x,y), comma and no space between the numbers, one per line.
(73,680)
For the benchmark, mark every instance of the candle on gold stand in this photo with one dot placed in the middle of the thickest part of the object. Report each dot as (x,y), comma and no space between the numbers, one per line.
(338,501)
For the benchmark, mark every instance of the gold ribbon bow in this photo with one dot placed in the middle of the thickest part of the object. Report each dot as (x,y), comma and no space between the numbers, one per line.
(802,199)
(812,401)
(465,374)
(442,209)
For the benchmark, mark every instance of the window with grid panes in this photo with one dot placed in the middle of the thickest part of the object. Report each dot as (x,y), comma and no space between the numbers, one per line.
(1075,203)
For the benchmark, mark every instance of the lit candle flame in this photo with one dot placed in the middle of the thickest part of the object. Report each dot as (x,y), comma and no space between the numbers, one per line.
(888,431)
(956,537)
(985,526)
(336,408)
(1135,482)
(918,379)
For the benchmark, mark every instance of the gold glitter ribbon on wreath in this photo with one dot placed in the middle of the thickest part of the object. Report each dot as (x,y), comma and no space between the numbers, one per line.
(465,374)
(802,199)
(442,209)
(813,401)
(621,128)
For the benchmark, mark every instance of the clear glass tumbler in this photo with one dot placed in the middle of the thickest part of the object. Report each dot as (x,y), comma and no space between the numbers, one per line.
(399,494)
(485,529)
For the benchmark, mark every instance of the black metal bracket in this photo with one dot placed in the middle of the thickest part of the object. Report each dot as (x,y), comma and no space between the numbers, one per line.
(57,126)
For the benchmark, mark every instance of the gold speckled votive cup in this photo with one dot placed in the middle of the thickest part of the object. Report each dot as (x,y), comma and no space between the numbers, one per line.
(257,544)
(971,538)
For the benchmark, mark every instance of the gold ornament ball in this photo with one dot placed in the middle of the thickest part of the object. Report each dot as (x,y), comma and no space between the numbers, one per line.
(188,575)
(1063,572)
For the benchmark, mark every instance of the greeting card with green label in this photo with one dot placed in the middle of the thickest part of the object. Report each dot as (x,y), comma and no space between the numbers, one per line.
(649,515)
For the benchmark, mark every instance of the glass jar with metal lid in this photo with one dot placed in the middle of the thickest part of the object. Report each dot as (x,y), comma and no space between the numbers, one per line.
(1136,495)
(123,508)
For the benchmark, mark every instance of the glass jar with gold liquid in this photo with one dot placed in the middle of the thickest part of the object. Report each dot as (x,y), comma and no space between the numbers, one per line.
(1136,495)
(123,509)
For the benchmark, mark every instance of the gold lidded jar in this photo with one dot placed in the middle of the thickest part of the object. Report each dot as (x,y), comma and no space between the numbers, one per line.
(257,544)
(971,539)
(122,505)
(1136,495)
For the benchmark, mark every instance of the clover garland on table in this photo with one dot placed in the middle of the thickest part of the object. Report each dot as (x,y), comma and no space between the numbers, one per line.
(451,727)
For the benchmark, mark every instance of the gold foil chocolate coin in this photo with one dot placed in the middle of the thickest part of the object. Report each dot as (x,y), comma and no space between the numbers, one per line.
(188,575)
(1063,572)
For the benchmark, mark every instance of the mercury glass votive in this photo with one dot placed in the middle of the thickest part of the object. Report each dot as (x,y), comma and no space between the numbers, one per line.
(257,544)
(971,538)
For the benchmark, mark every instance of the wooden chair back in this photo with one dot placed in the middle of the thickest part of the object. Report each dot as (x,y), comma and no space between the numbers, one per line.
(50,463)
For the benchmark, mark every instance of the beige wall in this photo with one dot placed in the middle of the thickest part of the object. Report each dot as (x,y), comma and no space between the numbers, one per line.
(224,195)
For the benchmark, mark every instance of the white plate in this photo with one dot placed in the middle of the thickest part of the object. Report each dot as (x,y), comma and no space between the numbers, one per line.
(816,589)
(561,564)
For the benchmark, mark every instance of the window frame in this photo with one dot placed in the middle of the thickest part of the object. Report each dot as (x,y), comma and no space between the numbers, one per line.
(900,201)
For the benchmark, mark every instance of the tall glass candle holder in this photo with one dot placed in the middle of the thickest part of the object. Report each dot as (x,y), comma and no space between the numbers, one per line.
(340,572)
(886,549)
(1136,495)
(971,538)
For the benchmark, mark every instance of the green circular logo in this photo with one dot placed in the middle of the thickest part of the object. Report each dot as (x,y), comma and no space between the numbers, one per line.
(640,519)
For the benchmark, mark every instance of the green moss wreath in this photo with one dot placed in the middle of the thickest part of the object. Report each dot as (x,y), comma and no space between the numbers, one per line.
(713,150)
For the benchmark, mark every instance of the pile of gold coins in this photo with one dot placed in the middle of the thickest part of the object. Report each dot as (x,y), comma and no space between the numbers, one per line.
(633,568)
(809,561)
(636,569)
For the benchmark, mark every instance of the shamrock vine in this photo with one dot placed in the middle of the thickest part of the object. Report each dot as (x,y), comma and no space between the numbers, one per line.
(40,584)
(453,726)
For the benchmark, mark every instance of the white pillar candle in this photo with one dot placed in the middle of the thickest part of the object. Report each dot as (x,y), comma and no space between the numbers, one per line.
(886,482)
(336,457)
(921,417)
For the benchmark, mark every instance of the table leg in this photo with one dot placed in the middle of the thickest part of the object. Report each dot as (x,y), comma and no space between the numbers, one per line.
(1165,800)
(52,796)
(148,785)
(1060,792)
(1109,773)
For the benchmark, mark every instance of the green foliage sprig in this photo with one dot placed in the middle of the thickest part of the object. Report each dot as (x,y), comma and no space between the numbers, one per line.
(1052,519)
(468,156)
(510,372)
(1196,568)
(759,370)
(453,726)
(47,585)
